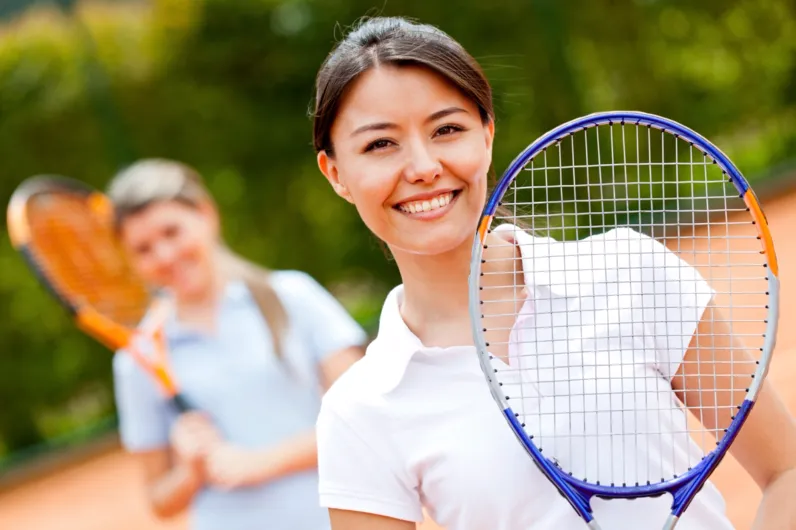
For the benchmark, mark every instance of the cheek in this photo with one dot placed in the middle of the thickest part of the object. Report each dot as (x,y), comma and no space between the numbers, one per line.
(469,162)
(143,265)
(371,186)
(194,241)
(147,268)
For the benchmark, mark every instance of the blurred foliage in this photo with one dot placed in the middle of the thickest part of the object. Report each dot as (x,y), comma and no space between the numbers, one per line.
(225,85)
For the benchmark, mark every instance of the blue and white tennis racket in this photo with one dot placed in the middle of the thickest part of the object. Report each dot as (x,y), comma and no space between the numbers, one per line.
(626,232)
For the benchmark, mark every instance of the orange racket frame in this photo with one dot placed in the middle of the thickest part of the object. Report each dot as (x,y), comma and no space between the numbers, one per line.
(89,319)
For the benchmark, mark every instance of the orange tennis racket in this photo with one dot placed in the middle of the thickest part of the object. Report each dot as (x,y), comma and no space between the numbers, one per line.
(64,230)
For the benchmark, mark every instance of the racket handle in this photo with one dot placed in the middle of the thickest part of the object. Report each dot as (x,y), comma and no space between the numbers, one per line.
(179,402)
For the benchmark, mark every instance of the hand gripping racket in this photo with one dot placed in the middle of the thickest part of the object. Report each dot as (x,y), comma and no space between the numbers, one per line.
(64,230)
(627,232)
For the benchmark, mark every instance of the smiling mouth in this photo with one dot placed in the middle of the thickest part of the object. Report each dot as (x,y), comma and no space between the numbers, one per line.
(428,205)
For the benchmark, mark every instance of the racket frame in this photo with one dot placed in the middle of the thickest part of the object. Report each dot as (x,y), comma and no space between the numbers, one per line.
(684,487)
(111,334)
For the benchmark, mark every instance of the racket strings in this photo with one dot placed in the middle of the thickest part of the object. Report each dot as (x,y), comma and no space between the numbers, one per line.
(591,380)
(78,252)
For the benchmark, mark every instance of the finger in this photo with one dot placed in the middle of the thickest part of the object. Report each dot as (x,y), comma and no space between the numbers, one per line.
(209,440)
(189,449)
(207,446)
(219,476)
(193,422)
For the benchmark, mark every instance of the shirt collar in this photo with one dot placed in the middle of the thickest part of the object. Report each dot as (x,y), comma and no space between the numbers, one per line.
(396,344)
(236,293)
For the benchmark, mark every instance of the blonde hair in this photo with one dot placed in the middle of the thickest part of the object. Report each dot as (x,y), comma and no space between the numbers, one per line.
(157,180)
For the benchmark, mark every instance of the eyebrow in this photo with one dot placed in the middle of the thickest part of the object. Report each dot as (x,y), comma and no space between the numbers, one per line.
(381,126)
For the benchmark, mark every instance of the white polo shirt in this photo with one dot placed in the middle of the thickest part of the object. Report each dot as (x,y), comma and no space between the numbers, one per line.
(410,427)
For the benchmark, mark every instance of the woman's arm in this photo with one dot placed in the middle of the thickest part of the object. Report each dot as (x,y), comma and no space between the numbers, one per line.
(335,365)
(766,445)
(230,466)
(346,520)
(174,475)
(170,489)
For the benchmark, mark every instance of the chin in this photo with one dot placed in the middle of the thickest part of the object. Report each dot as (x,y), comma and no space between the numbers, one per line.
(190,290)
(436,241)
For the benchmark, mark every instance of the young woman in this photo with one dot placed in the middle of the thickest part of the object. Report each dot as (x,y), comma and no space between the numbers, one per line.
(403,129)
(251,350)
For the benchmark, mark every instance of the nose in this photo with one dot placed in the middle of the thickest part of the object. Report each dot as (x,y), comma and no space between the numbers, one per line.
(423,165)
(163,254)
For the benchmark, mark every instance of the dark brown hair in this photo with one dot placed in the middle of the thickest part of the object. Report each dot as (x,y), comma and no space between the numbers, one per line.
(155,180)
(394,41)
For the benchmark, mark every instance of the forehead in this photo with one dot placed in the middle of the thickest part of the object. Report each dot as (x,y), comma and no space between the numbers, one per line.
(154,215)
(395,93)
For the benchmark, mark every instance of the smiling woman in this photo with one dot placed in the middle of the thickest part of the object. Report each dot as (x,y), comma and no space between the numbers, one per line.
(411,148)
(403,131)
(250,349)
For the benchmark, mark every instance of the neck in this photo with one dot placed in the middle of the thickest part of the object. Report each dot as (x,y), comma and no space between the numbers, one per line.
(436,294)
(436,290)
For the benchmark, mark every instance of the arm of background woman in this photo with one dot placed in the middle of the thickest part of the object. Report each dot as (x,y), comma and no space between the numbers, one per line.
(334,365)
(171,455)
(766,445)
(230,466)
(174,475)
(170,489)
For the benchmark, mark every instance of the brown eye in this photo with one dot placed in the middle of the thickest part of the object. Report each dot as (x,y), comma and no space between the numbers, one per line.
(448,129)
(171,231)
(378,144)
(142,250)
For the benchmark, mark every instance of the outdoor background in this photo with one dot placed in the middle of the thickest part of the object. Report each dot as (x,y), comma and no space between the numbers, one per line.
(225,85)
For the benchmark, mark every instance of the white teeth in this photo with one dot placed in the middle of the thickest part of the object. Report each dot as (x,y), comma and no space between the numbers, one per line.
(426,206)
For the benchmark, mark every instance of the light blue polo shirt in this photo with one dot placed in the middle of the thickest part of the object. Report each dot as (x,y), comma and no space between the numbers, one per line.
(234,376)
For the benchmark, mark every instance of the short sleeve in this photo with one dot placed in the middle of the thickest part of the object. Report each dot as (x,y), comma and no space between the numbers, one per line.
(354,476)
(674,297)
(143,416)
(325,322)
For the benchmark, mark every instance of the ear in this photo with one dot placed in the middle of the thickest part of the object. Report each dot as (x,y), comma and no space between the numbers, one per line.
(210,212)
(489,135)
(329,169)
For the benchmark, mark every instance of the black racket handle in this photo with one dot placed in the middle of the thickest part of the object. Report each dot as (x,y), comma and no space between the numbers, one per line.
(179,402)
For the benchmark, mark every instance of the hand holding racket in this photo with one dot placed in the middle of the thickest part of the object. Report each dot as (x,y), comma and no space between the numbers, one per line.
(64,231)
(631,352)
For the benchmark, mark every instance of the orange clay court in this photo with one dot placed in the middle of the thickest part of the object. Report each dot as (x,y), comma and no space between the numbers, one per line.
(105,492)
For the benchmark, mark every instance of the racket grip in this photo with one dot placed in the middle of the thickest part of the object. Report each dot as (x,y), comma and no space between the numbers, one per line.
(179,402)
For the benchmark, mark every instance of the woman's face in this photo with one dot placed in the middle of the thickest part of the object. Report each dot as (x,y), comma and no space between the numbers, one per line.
(412,154)
(172,245)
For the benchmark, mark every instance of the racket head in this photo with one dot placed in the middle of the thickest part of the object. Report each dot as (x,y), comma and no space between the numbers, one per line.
(64,230)
(553,172)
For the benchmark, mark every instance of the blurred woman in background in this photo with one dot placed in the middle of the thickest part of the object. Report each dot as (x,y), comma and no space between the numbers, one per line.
(252,350)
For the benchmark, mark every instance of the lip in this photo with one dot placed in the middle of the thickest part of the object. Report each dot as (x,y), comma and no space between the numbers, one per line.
(427,196)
